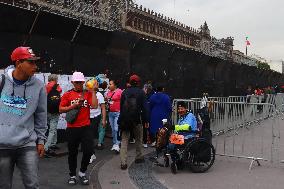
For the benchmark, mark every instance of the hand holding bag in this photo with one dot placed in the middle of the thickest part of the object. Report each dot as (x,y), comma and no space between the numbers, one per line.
(72,115)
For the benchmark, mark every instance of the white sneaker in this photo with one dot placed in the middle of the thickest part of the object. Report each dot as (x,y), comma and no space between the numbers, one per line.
(93,157)
(153,144)
(81,174)
(113,147)
(145,145)
(116,148)
(132,141)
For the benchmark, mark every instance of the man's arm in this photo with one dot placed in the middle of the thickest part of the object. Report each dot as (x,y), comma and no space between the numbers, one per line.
(65,106)
(94,103)
(40,121)
(122,99)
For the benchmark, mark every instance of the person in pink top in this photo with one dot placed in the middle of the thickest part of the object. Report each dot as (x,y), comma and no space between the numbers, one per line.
(113,99)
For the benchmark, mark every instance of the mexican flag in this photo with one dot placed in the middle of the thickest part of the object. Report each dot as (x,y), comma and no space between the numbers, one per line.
(247,42)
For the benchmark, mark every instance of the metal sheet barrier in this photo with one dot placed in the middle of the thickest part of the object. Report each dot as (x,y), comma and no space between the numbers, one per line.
(245,130)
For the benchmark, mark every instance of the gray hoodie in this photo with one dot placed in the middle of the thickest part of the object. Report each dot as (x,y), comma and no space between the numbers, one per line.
(23,113)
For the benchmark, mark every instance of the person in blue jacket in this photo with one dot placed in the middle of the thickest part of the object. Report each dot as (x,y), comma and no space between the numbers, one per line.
(160,108)
(186,126)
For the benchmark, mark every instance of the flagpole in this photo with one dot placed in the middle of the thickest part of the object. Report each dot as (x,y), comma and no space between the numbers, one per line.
(246,45)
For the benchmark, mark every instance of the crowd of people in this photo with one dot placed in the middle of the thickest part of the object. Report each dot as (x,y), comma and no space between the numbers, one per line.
(264,91)
(134,114)
(30,110)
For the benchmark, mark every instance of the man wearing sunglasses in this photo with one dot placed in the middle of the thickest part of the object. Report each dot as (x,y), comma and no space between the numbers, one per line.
(23,117)
(79,131)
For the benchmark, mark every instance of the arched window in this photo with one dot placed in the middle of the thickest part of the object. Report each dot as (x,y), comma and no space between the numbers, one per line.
(156,29)
(135,23)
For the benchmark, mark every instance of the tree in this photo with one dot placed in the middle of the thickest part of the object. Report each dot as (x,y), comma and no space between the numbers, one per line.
(263,65)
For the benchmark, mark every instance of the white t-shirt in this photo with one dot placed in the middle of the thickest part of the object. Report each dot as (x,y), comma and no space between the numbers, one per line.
(96,112)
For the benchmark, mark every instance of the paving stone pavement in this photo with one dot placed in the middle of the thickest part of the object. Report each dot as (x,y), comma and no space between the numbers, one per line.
(54,171)
(226,173)
(142,176)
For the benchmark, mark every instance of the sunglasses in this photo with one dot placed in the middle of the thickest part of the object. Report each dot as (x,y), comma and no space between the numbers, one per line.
(79,82)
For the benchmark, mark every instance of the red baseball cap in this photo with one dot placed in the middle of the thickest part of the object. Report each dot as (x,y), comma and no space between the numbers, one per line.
(135,78)
(23,53)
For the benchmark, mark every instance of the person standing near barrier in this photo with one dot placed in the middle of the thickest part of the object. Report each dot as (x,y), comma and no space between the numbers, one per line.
(258,91)
(53,91)
(98,122)
(113,99)
(133,113)
(148,89)
(204,100)
(102,125)
(79,130)
(23,120)
(160,108)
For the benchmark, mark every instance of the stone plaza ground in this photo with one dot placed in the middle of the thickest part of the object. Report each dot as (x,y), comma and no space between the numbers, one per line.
(105,172)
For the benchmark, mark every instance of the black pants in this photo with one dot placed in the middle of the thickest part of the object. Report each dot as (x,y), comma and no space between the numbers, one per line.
(131,135)
(95,122)
(145,135)
(153,137)
(75,136)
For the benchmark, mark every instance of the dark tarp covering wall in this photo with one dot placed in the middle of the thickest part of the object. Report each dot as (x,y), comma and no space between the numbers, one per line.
(185,73)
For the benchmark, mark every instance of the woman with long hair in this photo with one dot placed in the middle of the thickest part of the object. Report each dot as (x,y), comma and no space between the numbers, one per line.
(113,99)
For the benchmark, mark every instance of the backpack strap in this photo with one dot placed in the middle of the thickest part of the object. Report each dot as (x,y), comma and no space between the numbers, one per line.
(2,83)
(54,87)
(112,95)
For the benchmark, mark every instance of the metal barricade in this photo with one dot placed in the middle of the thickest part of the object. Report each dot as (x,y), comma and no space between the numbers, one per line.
(237,99)
(245,130)
(240,130)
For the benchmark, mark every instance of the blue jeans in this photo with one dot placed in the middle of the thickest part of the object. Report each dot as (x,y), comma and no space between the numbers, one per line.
(52,121)
(26,159)
(113,117)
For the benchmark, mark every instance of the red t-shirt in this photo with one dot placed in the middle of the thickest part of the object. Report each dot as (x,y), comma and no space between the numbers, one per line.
(72,97)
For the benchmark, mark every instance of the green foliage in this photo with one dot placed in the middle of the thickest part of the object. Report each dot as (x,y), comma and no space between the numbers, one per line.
(263,65)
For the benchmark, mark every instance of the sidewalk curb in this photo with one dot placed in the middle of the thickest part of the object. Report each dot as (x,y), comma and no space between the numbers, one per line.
(94,174)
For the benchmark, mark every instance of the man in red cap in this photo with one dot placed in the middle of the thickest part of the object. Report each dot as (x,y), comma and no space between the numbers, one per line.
(133,114)
(23,113)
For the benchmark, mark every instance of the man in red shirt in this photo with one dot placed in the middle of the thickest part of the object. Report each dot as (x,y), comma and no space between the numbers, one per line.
(79,131)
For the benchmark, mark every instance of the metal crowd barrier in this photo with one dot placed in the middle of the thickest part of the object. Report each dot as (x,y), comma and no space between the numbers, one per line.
(245,127)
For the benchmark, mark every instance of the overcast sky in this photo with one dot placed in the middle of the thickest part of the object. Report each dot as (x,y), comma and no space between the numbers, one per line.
(261,20)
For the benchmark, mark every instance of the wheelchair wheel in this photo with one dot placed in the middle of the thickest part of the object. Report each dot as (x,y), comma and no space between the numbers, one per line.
(179,164)
(174,168)
(200,155)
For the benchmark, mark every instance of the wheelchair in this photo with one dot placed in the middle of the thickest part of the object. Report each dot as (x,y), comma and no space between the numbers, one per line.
(197,153)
